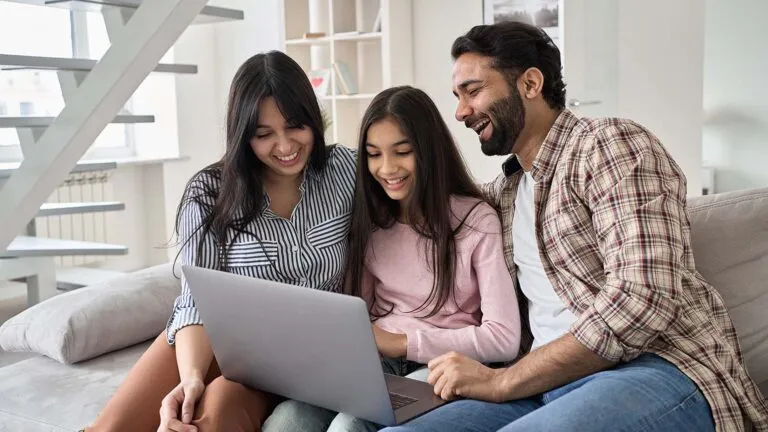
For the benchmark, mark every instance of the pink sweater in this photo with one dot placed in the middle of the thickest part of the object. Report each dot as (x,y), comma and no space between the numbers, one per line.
(486,323)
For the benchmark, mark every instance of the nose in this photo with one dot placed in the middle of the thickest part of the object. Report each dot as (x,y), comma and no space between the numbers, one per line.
(463,110)
(284,146)
(388,166)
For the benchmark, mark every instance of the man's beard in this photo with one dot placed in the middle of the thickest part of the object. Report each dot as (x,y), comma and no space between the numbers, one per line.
(508,120)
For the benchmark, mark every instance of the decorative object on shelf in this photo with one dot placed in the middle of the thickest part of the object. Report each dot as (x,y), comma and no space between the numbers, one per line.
(541,13)
(314,35)
(377,22)
(361,50)
(346,82)
(321,81)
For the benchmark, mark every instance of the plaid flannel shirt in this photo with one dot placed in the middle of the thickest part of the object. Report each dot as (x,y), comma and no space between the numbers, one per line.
(614,240)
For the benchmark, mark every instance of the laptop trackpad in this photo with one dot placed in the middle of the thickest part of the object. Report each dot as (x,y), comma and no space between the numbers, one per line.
(410,398)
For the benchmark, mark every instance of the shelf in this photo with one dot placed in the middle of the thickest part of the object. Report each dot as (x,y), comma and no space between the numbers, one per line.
(340,37)
(25,246)
(15,62)
(308,42)
(209,14)
(34,122)
(61,209)
(359,96)
(69,278)
(6,169)
(356,37)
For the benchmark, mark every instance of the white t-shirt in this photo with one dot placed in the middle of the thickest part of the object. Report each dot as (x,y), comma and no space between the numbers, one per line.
(547,314)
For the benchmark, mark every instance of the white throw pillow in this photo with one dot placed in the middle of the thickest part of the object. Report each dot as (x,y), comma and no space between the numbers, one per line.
(91,321)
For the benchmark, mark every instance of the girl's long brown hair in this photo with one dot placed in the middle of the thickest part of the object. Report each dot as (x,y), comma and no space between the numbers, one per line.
(440,174)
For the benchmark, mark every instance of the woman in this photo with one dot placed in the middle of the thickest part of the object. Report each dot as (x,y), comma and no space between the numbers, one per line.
(276,206)
(426,252)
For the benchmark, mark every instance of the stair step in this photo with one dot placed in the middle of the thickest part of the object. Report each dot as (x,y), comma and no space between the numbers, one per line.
(209,14)
(26,246)
(31,122)
(13,62)
(60,209)
(6,169)
(69,278)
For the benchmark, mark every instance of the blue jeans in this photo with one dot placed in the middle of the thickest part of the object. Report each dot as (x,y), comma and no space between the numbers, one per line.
(646,394)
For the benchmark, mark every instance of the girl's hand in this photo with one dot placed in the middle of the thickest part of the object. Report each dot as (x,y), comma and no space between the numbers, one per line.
(390,344)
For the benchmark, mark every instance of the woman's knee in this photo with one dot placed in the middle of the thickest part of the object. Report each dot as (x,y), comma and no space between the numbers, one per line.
(298,416)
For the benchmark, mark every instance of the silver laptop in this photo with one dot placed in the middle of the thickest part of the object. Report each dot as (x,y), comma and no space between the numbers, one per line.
(304,344)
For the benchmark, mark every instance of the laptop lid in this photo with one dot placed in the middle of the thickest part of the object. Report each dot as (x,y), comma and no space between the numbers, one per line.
(309,345)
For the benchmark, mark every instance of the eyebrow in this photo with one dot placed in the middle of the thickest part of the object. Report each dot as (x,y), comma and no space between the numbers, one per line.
(465,84)
(401,142)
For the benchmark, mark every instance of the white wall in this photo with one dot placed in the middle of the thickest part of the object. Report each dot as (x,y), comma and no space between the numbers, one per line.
(735,93)
(436,23)
(661,55)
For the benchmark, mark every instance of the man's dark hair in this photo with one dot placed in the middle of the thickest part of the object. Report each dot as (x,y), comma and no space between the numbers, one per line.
(515,47)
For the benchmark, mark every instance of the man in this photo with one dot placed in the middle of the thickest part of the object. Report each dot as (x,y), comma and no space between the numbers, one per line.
(626,334)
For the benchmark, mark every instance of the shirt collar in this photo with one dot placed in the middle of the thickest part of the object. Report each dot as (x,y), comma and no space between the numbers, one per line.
(546,160)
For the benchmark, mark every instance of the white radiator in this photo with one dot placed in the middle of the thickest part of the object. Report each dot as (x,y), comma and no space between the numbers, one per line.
(92,227)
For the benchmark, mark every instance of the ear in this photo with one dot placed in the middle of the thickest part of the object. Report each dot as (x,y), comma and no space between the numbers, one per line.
(531,83)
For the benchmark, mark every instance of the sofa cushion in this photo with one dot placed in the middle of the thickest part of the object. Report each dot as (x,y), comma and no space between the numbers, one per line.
(98,319)
(39,394)
(729,233)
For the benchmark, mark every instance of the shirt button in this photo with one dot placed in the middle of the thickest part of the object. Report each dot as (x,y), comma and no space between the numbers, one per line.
(295,248)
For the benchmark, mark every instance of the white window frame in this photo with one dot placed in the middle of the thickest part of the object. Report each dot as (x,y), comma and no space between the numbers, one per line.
(80,48)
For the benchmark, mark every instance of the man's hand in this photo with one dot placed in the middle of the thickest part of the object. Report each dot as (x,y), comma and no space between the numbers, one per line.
(456,376)
(392,345)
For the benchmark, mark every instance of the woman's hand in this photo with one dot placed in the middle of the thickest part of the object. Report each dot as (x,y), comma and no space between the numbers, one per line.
(390,344)
(184,397)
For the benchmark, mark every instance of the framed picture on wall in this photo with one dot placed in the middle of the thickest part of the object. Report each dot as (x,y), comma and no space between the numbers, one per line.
(541,13)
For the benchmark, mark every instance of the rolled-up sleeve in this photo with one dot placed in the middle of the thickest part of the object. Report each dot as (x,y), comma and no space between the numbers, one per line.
(197,250)
(637,197)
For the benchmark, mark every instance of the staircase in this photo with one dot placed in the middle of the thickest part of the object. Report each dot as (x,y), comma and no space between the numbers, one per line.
(94,92)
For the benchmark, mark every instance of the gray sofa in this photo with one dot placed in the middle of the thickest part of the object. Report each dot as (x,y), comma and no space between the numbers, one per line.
(730,241)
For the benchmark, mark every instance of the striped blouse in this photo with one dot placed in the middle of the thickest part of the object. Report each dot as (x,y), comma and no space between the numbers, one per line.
(309,249)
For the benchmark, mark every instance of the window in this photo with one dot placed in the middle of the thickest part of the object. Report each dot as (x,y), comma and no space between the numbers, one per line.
(26,29)
(51,32)
(26,108)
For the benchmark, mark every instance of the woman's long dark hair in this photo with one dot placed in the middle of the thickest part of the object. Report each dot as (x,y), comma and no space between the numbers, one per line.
(240,197)
(440,174)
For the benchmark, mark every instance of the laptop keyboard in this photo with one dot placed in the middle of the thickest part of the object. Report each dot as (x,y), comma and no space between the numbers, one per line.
(399,401)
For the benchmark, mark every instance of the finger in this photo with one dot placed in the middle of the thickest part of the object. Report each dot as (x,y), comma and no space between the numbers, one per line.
(446,390)
(434,375)
(176,425)
(439,384)
(435,362)
(188,408)
(168,411)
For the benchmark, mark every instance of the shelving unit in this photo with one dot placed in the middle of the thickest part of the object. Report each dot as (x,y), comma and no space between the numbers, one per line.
(376,59)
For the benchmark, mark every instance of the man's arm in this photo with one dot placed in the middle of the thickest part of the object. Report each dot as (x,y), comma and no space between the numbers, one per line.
(636,195)
(555,364)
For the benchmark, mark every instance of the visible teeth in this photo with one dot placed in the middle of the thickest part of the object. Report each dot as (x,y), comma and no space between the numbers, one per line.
(395,181)
(479,126)
(288,158)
